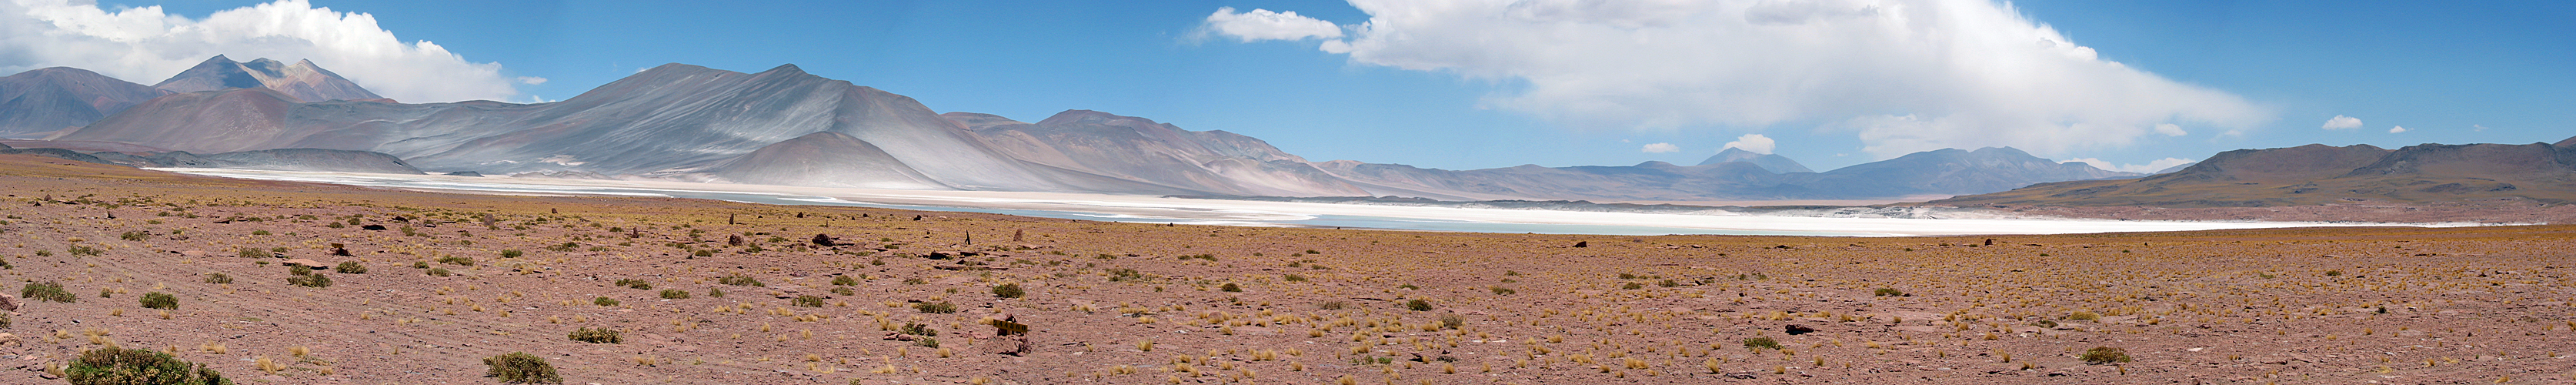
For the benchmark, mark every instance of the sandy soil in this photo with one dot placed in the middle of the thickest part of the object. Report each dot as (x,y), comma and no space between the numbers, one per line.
(1133,303)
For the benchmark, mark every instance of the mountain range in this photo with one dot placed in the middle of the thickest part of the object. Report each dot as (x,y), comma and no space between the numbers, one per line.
(2319,174)
(784,126)
(46,101)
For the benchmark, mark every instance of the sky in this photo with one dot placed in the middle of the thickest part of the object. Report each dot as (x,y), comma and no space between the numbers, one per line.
(1466,84)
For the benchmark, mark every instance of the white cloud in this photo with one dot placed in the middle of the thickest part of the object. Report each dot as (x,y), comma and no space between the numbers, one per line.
(1752,142)
(1658,148)
(2170,129)
(2340,122)
(2396,129)
(2479,128)
(1903,75)
(531,80)
(146,45)
(1262,24)
(2154,166)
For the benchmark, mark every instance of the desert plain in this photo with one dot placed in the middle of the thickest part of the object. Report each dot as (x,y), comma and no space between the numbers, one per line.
(419,287)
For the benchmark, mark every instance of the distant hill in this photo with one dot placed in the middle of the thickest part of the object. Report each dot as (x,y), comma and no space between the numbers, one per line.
(1770,162)
(2319,174)
(302,81)
(60,98)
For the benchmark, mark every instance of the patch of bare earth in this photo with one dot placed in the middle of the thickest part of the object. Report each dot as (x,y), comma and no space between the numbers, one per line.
(1137,303)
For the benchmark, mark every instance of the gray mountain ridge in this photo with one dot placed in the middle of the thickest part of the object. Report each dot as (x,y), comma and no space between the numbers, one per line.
(785,126)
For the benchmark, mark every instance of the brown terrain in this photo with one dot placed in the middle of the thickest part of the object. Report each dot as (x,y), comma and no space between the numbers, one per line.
(1139,303)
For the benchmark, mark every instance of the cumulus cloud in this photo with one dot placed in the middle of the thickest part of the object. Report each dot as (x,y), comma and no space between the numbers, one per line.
(2170,129)
(2396,129)
(2340,122)
(1262,24)
(2154,166)
(1751,142)
(1902,75)
(531,80)
(1658,148)
(146,45)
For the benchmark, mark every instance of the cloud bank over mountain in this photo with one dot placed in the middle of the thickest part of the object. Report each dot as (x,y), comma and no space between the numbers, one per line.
(146,44)
(1902,75)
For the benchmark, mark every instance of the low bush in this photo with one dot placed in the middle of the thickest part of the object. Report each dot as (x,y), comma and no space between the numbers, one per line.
(1888,292)
(121,366)
(1758,343)
(806,301)
(740,280)
(160,300)
(350,267)
(941,307)
(604,301)
(47,291)
(675,294)
(1012,290)
(218,278)
(310,280)
(1417,304)
(598,336)
(521,368)
(2106,355)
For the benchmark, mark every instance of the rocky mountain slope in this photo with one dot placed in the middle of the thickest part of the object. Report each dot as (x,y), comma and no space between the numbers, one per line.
(302,81)
(1769,162)
(45,100)
(2319,174)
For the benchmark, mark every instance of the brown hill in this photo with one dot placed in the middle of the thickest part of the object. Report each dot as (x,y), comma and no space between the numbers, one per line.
(2319,174)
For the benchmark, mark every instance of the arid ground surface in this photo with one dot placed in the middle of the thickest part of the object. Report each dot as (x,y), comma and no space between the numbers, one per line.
(1137,303)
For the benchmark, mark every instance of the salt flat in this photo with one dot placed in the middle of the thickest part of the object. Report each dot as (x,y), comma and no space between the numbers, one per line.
(1135,208)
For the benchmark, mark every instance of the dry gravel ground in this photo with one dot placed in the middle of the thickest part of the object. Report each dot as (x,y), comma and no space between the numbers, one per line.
(1132,303)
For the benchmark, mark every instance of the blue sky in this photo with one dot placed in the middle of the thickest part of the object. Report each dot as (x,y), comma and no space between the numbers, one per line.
(2273,72)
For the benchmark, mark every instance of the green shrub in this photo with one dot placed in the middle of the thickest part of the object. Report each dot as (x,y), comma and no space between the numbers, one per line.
(455,260)
(1888,292)
(715,292)
(1293,278)
(941,307)
(807,301)
(159,300)
(1499,290)
(120,366)
(512,253)
(926,342)
(2083,316)
(521,368)
(635,283)
(47,291)
(1632,286)
(675,294)
(917,329)
(1452,321)
(845,281)
(740,280)
(598,336)
(1417,304)
(313,281)
(844,291)
(350,267)
(132,236)
(1012,290)
(2106,355)
(1759,343)
(1230,287)
(604,301)
(440,272)
(218,278)
(299,270)
(565,247)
